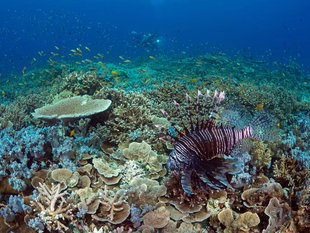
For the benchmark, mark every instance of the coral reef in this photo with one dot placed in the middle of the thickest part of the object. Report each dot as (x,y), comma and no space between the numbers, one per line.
(108,173)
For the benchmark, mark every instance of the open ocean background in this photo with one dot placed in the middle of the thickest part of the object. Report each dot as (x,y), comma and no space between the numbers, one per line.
(267,29)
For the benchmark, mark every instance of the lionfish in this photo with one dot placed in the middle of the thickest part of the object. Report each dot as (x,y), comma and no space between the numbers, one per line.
(198,146)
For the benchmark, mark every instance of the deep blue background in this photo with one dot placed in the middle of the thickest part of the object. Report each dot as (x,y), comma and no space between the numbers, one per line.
(274,29)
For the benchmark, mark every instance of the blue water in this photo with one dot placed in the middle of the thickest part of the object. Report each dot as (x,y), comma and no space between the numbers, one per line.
(268,29)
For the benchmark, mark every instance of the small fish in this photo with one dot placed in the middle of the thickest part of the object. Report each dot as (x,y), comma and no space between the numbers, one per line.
(147,81)
(78,49)
(56,47)
(3,93)
(73,50)
(127,61)
(100,55)
(96,57)
(259,107)
(278,124)
(87,48)
(152,57)
(77,62)
(121,58)
(72,133)
(114,72)
(194,80)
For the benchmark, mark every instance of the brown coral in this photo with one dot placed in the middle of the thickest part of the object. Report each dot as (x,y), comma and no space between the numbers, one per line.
(236,223)
(256,197)
(113,208)
(278,214)
(157,218)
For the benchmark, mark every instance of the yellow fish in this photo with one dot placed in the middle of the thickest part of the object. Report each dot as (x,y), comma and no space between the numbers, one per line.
(87,48)
(127,61)
(152,57)
(121,58)
(3,93)
(78,49)
(56,47)
(259,107)
(72,133)
(194,80)
(114,72)
(147,81)
(73,50)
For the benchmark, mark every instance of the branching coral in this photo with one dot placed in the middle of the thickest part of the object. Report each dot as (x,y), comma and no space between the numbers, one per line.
(52,208)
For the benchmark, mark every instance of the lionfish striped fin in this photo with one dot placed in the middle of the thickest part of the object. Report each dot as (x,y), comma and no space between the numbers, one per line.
(186,181)
(216,100)
(204,107)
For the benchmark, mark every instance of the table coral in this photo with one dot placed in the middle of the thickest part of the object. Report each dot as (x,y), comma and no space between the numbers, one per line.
(70,109)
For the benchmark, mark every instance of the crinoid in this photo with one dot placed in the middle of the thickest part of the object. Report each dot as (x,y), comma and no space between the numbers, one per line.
(203,144)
